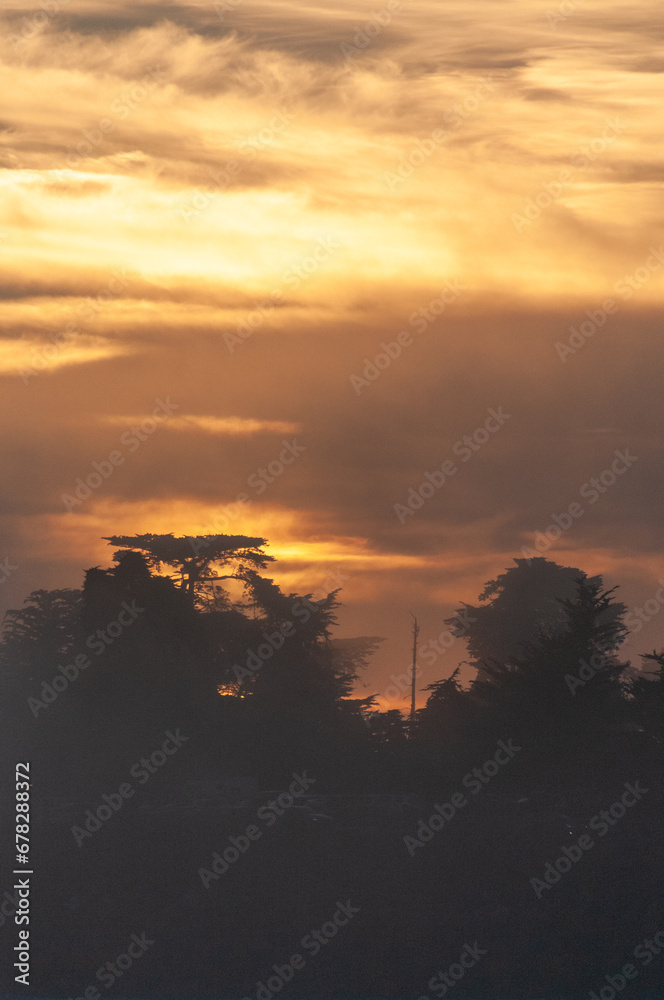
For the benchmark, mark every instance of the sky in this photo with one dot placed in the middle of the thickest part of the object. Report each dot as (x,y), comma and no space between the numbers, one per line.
(407,259)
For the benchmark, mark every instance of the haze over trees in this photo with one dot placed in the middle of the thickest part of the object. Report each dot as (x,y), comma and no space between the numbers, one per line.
(519,607)
(187,635)
(188,645)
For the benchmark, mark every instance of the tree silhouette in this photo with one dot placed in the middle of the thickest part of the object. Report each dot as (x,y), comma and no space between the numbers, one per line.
(301,629)
(552,684)
(389,734)
(524,606)
(446,728)
(42,633)
(648,695)
(194,556)
(564,694)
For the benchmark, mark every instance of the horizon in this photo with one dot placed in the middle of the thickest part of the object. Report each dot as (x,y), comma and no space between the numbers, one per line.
(439,653)
(233,257)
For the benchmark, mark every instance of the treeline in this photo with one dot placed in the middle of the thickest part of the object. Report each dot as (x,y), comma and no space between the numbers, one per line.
(183,665)
(263,684)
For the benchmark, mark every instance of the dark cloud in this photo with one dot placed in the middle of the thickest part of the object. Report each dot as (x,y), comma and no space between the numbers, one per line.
(546,94)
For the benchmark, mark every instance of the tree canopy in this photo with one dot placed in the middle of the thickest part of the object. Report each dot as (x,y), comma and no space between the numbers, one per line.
(546,640)
(522,605)
(194,556)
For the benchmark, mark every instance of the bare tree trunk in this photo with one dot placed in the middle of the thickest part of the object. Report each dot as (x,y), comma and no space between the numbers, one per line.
(416,632)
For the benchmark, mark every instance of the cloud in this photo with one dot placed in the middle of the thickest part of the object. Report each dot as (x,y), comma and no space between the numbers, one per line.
(173,182)
(224,426)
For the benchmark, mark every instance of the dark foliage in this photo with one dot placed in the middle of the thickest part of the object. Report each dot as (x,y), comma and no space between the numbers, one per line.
(262,690)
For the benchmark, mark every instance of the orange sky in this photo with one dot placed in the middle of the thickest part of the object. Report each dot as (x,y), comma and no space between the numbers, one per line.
(226,210)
